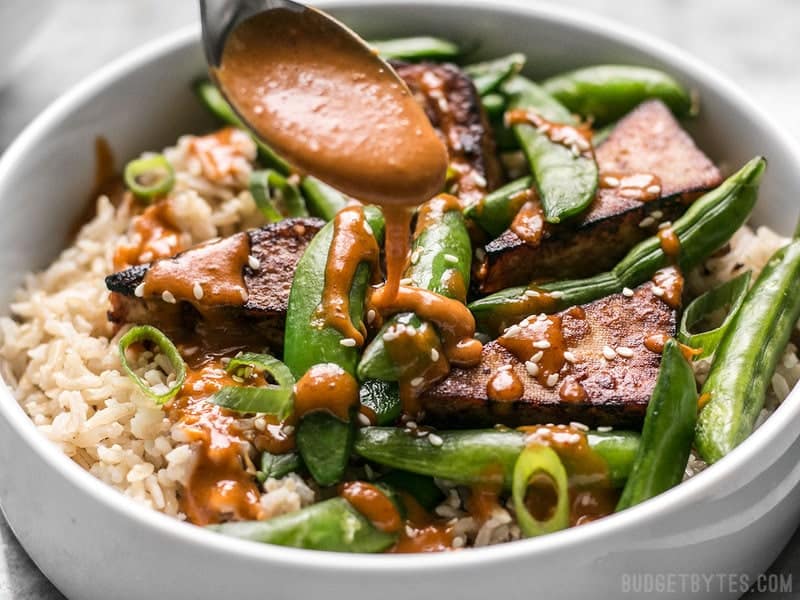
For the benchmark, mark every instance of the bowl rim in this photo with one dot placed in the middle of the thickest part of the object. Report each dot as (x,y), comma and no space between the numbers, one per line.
(682,496)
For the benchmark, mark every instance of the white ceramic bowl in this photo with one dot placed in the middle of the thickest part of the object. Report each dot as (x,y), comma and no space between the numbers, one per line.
(94,543)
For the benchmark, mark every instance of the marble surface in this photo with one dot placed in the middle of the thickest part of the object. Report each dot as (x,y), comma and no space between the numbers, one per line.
(756,44)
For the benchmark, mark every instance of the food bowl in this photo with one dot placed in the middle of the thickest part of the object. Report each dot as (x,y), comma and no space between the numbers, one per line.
(93,542)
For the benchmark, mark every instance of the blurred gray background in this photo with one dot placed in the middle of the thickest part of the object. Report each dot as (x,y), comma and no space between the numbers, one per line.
(757,44)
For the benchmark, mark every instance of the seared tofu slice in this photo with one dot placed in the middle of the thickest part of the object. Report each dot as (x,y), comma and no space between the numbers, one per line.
(616,387)
(649,141)
(238,285)
(454,108)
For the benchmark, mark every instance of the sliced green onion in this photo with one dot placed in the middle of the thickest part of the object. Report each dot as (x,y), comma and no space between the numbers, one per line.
(268,187)
(278,465)
(728,296)
(149,177)
(540,460)
(147,333)
(274,399)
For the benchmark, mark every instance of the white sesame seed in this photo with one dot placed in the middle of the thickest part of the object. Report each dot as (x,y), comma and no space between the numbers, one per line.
(288,429)
(417,381)
(197,290)
(624,351)
(541,344)
(348,342)
(364,420)
(422,433)
(253,262)
(406,281)
(451,258)
(611,181)
(139,291)
(552,379)
(525,322)
(605,428)
(411,330)
(371,314)
(167,296)
(434,354)
(578,426)
(656,214)
(658,291)
(654,189)
(647,222)
(608,353)
(532,368)
(260,423)
(390,336)
(512,331)
(435,440)
(243,293)
(410,531)
(556,294)
(537,357)
(411,424)
(664,225)
(458,542)
(627,292)
(479,179)
(368,229)
(146,256)
(531,293)
(541,317)
(570,357)
(415,257)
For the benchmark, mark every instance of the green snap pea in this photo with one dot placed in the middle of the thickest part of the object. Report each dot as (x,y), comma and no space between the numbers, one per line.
(275,195)
(489,75)
(422,488)
(382,398)
(416,48)
(728,296)
(440,253)
(479,456)
(323,201)
(607,92)
(278,465)
(746,357)
(566,179)
(495,212)
(332,525)
(704,228)
(494,105)
(667,433)
(323,440)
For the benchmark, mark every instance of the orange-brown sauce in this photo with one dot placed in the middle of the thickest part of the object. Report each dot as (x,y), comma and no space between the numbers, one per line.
(217,268)
(578,139)
(644,187)
(529,223)
(540,338)
(220,153)
(375,505)
(571,390)
(422,532)
(153,234)
(655,342)
(670,243)
(328,387)
(533,301)
(504,386)
(669,283)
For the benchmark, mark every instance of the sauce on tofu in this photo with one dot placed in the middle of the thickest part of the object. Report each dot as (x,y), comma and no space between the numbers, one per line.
(153,234)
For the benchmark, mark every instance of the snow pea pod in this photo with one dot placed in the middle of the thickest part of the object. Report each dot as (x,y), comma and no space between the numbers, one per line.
(416,48)
(565,176)
(332,525)
(604,93)
(496,210)
(703,229)
(479,456)
(489,75)
(746,357)
(667,433)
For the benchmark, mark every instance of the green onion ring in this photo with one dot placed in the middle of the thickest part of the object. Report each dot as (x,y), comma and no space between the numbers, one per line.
(730,294)
(538,459)
(157,172)
(274,399)
(142,333)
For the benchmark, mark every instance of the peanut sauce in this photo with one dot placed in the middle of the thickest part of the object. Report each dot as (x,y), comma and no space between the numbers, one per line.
(528,223)
(532,301)
(571,390)
(220,153)
(422,533)
(375,505)
(670,243)
(540,337)
(655,343)
(328,387)
(504,386)
(217,268)
(153,234)
(644,187)
(327,103)
(577,139)
(702,400)
(352,243)
(670,281)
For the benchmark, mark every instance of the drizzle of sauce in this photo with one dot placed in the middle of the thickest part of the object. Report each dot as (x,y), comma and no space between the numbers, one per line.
(328,387)
(529,223)
(541,338)
(655,342)
(577,139)
(571,390)
(670,243)
(644,187)
(422,533)
(533,300)
(352,243)
(217,267)
(153,234)
(324,101)
(221,153)
(670,281)
(702,400)
(371,502)
(484,500)
(504,386)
